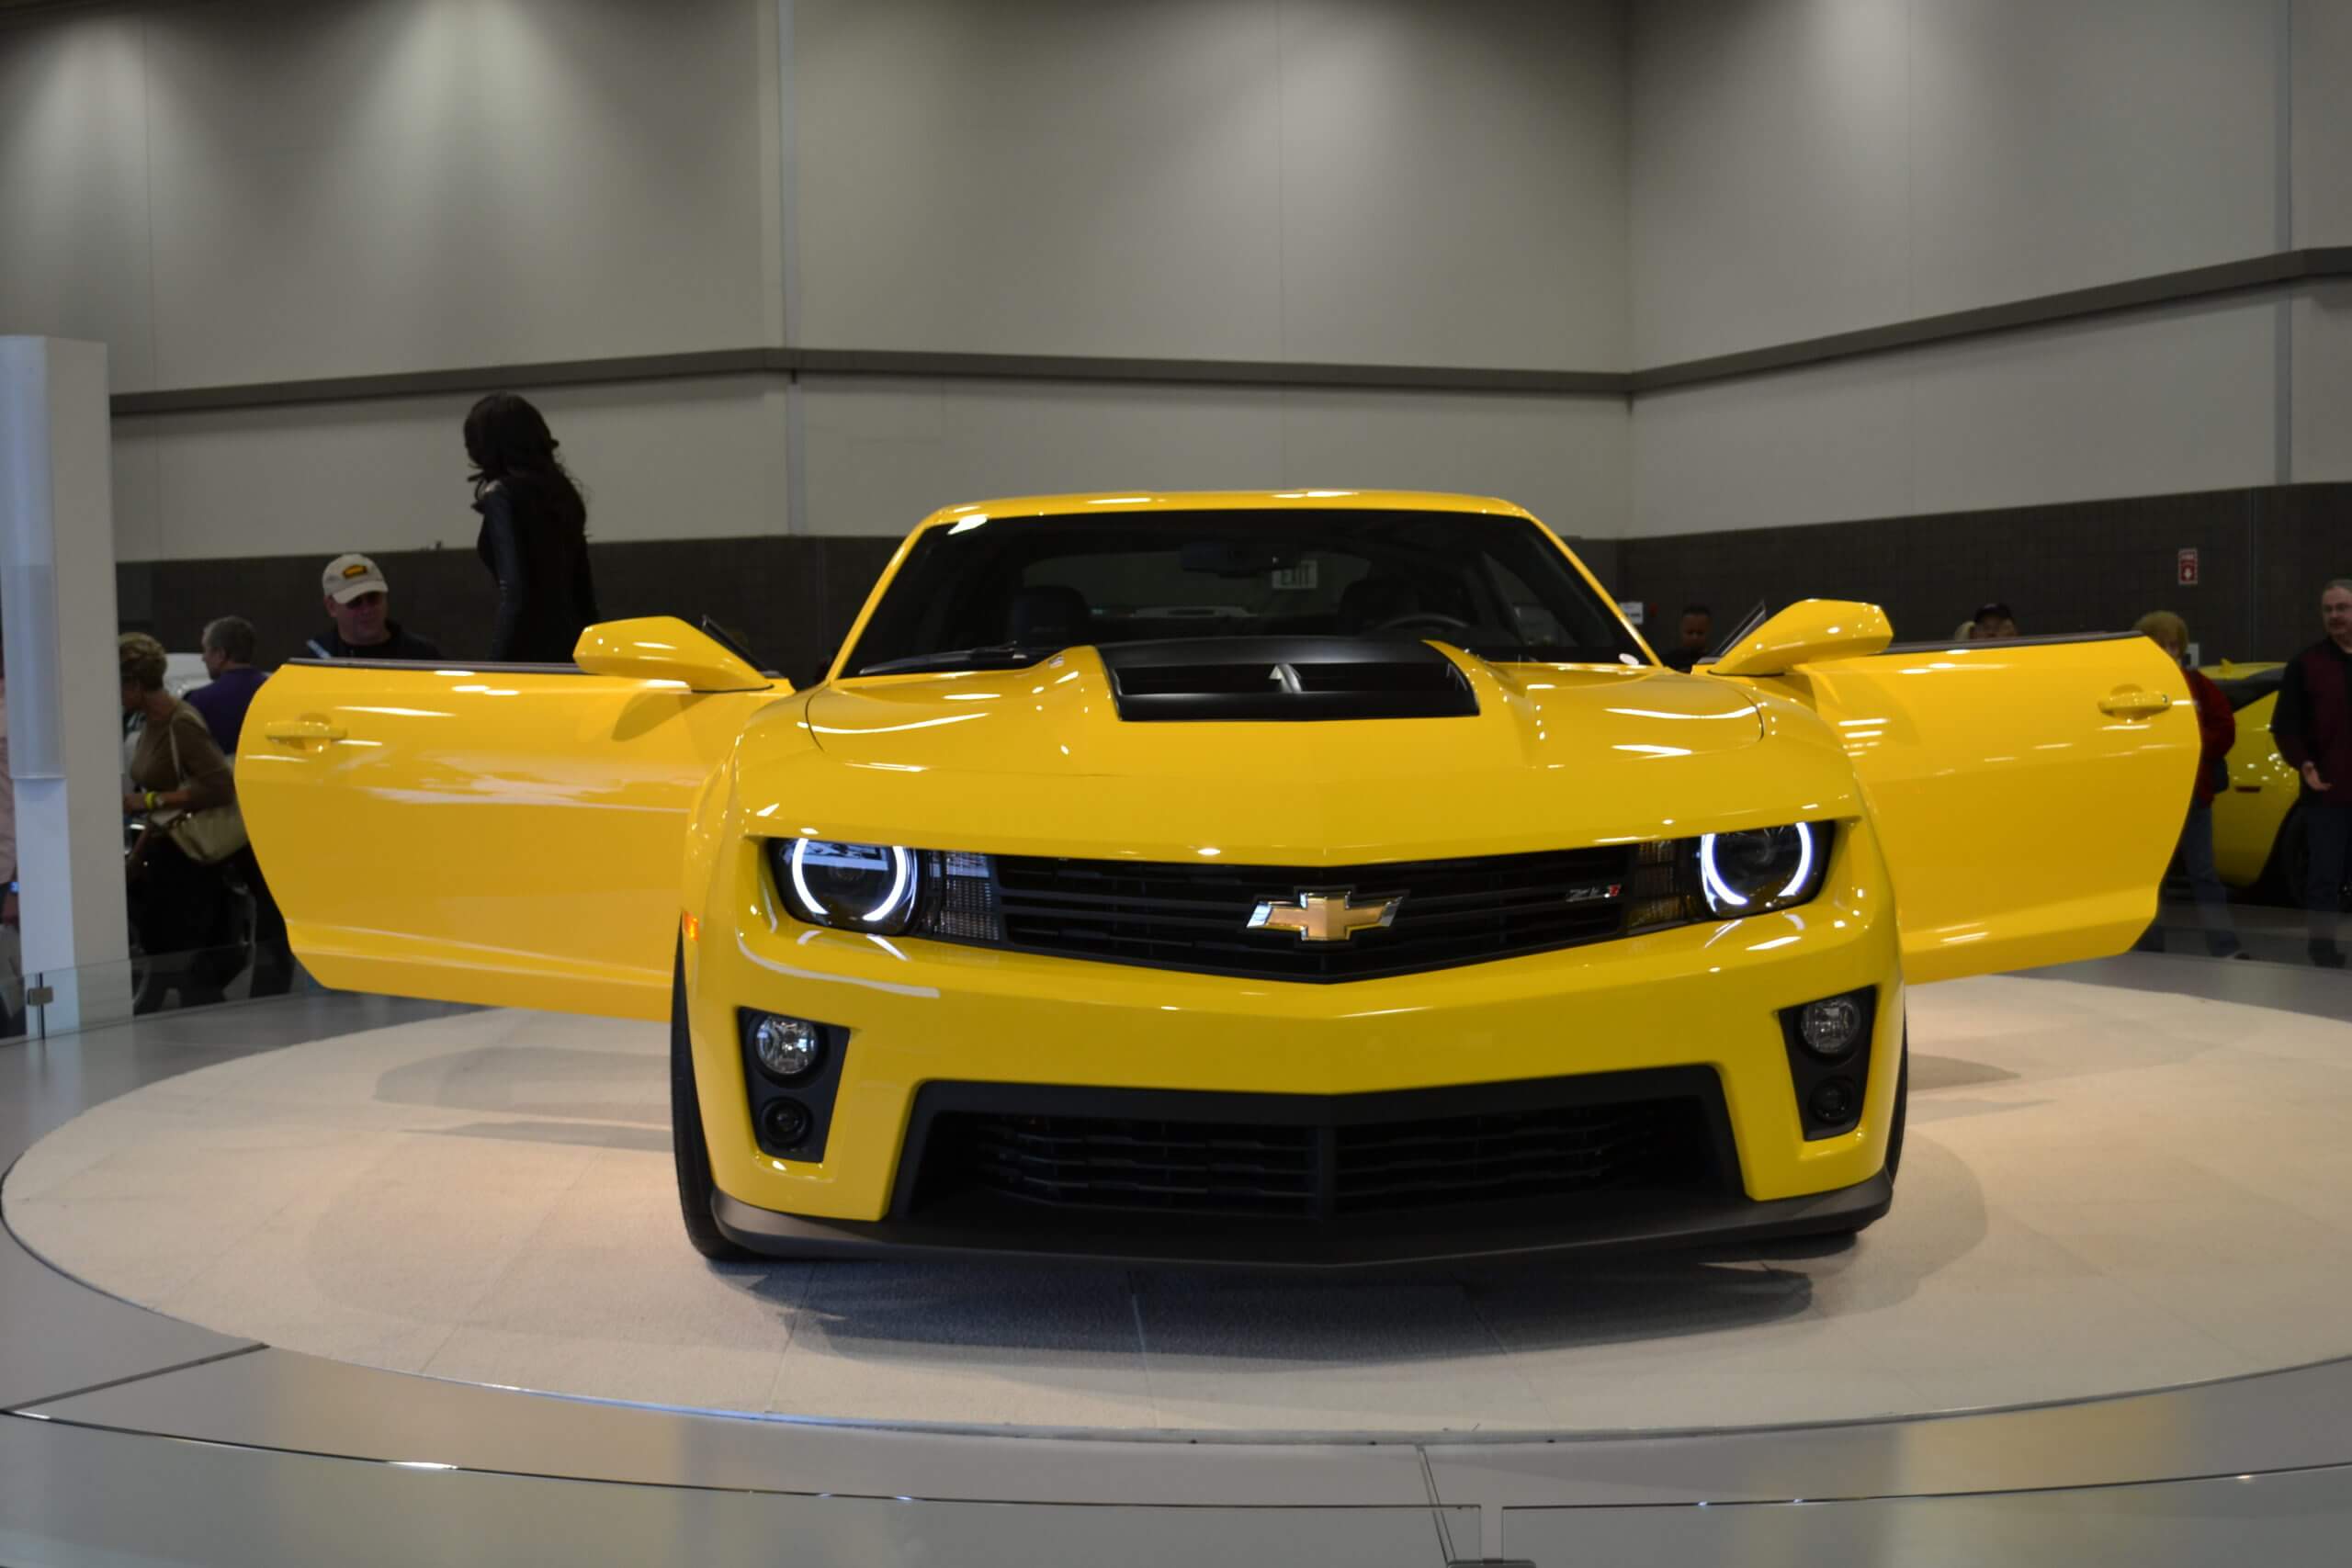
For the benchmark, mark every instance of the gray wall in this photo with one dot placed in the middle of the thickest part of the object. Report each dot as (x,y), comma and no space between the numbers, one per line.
(884,451)
(2321,39)
(2148,404)
(2320,368)
(1810,167)
(245,191)
(1802,167)
(252,191)
(1380,181)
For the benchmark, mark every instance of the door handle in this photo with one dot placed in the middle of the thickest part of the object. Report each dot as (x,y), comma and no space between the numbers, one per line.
(2134,702)
(296,731)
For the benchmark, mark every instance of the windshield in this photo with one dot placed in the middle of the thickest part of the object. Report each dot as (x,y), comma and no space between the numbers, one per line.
(1014,590)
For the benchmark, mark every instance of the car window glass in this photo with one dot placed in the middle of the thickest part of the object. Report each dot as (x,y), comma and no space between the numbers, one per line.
(1495,585)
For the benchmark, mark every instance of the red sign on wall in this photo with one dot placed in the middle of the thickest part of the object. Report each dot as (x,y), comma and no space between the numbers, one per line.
(2185,570)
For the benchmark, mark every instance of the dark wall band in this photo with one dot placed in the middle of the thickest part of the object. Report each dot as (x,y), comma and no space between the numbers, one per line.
(790,599)
(2279,269)
(2263,555)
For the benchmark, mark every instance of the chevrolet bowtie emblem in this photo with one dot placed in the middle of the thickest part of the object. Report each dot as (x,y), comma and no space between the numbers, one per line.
(1324,917)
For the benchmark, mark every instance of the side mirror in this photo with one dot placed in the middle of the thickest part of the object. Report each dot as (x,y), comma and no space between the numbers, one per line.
(1807,633)
(662,648)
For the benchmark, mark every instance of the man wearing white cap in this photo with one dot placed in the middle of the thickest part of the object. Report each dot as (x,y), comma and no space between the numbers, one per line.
(360,605)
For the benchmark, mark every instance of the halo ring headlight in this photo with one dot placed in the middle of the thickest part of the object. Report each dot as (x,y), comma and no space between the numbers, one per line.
(1805,861)
(1757,869)
(865,888)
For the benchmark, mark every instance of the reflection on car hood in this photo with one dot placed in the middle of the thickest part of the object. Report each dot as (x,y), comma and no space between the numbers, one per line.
(1059,717)
(1037,760)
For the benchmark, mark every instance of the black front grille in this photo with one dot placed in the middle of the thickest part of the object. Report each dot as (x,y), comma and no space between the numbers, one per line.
(1449,912)
(1521,1154)
(1200,1168)
(1329,1158)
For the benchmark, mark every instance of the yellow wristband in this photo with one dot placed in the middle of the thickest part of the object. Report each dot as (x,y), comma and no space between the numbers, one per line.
(153,799)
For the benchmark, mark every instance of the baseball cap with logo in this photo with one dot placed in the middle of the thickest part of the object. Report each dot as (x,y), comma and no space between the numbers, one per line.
(348,577)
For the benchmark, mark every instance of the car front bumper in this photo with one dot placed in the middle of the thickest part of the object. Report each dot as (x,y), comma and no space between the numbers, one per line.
(1721,1222)
(926,1026)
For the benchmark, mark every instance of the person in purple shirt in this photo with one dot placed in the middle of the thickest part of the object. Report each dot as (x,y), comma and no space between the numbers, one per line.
(229,657)
(228,647)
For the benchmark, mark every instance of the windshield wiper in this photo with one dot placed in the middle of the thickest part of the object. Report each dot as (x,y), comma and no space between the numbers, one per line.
(989,655)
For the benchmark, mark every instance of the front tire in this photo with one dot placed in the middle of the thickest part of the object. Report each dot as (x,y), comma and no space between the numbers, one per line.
(687,1141)
(1902,1107)
(2281,882)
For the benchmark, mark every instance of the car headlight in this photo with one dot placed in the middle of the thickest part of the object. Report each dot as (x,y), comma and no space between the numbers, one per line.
(859,888)
(1758,869)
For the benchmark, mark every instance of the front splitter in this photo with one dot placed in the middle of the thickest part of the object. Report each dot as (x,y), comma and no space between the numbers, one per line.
(1150,1239)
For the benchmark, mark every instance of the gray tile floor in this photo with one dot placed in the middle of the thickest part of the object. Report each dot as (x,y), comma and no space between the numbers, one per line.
(488,1197)
(540,1478)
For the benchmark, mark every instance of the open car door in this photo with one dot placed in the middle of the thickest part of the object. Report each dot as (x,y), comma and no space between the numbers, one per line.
(2027,792)
(506,834)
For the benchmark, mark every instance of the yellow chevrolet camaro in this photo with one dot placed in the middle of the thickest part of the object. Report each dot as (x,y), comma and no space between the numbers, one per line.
(1310,877)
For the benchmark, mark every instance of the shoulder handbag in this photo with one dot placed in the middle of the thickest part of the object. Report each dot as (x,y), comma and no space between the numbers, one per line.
(207,836)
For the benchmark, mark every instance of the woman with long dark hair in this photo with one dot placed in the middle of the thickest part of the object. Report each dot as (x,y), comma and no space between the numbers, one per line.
(534,532)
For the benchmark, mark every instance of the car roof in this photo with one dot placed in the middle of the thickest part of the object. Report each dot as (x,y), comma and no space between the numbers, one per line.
(1100,503)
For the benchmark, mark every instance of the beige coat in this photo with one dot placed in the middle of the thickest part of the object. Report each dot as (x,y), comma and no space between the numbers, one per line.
(205,770)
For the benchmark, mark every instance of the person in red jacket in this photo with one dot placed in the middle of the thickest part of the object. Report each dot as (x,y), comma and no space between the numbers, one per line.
(2313,725)
(2218,732)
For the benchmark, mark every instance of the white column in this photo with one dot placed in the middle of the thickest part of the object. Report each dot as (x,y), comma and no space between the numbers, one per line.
(65,716)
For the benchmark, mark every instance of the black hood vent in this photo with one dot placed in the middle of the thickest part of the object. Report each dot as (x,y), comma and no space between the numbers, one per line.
(1284,678)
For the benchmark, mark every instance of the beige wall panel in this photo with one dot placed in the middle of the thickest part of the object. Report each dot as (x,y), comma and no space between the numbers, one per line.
(2058,146)
(2148,404)
(1804,446)
(411,183)
(138,500)
(74,253)
(1769,184)
(661,460)
(2322,370)
(1313,180)
(1563,458)
(1039,176)
(1454,183)
(883,454)
(1803,167)
(2323,122)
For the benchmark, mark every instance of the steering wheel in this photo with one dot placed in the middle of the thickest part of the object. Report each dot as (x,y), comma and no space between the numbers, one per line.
(1424,620)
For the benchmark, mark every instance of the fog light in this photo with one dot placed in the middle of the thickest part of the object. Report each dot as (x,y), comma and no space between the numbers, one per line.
(1832,1101)
(782,1123)
(787,1047)
(1831,1027)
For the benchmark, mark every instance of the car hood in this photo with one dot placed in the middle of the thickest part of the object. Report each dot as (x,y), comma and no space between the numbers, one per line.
(1038,761)
(1061,717)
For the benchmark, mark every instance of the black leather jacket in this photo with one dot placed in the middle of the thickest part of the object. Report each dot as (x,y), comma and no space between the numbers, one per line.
(545,593)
